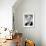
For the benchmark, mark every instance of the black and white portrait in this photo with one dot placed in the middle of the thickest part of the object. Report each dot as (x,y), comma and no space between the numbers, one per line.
(28,20)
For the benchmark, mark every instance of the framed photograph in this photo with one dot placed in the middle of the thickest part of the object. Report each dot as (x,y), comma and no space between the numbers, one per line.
(28,20)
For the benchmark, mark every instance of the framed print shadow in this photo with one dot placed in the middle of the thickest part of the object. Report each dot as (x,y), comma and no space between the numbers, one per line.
(28,20)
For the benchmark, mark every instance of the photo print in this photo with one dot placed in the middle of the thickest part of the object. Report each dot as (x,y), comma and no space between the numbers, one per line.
(28,20)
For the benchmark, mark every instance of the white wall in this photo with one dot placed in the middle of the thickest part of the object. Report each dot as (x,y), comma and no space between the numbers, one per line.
(38,7)
(28,6)
(43,22)
(6,13)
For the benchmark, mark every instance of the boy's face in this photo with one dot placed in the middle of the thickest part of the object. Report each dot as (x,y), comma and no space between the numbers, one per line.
(29,18)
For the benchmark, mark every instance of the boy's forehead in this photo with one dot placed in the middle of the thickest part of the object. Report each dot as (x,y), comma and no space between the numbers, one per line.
(28,16)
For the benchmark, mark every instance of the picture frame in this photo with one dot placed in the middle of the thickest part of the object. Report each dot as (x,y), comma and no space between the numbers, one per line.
(28,20)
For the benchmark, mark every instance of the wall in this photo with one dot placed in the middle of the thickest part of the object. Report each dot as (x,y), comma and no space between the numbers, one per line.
(28,6)
(6,13)
(43,22)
